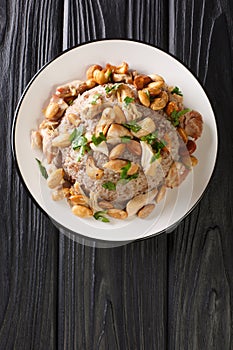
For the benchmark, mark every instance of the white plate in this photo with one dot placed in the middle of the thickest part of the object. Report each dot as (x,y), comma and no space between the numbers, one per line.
(72,65)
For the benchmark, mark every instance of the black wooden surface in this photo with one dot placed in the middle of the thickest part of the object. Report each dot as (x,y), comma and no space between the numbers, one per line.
(167,292)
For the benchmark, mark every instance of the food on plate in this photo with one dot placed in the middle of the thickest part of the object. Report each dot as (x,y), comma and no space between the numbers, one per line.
(112,144)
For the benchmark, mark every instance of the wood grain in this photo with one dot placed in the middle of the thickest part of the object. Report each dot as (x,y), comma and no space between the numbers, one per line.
(28,240)
(200,262)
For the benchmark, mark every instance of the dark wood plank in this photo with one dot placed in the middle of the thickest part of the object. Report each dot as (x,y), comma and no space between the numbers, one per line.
(113,298)
(30,35)
(200,251)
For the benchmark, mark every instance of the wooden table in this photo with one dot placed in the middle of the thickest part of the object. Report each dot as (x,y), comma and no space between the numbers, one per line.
(168,292)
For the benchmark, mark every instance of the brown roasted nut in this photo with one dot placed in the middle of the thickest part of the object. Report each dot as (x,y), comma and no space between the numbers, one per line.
(105,205)
(55,178)
(91,69)
(191,146)
(155,87)
(171,107)
(48,124)
(134,147)
(144,97)
(36,139)
(117,151)
(58,194)
(117,130)
(194,160)
(177,173)
(92,171)
(107,118)
(141,80)
(100,77)
(115,165)
(133,169)
(136,203)
(90,83)
(156,77)
(182,134)
(51,110)
(122,69)
(192,123)
(62,140)
(81,211)
(145,211)
(78,199)
(119,115)
(117,214)
(124,91)
(147,126)
(161,194)
(159,102)
(74,119)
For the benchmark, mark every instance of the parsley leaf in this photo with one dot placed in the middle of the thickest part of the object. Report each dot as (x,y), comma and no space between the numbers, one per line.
(125,139)
(127,100)
(99,215)
(132,125)
(157,145)
(95,98)
(79,141)
(109,185)
(112,88)
(175,116)
(97,140)
(124,173)
(150,138)
(176,91)
(42,169)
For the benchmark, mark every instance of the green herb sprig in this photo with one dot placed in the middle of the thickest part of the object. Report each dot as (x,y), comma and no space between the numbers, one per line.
(99,215)
(127,100)
(42,169)
(175,116)
(95,98)
(132,125)
(109,185)
(176,91)
(114,87)
(79,141)
(124,173)
(97,140)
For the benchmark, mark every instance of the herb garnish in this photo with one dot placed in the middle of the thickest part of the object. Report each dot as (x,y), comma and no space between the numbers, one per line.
(127,100)
(124,173)
(157,145)
(99,215)
(79,141)
(109,185)
(176,91)
(125,139)
(97,140)
(112,88)
(175,116)
(42,169)
(95,98)
(132,125)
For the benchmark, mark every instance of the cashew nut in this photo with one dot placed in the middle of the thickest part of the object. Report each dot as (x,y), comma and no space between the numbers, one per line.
(134,147)
(91,69)
(141,80)
(81,211)
(117,130)
(117,151)
(117,213)
(136,203)
(144,97)
(55,178)
(92,171)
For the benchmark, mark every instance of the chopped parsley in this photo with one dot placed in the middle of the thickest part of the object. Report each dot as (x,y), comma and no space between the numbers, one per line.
(124,173)
(157,145)
(79,141)
(175,116)
(109,185)
(132,125)
(176,91)
(150,138)
(99,215)
(112,88)
(95,98)
(97,140)
(125,139)
(151,98)
(128,100)
(42,169)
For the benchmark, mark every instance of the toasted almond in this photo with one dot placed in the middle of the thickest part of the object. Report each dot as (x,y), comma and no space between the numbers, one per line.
(119,115)
(55,178)
(105,205)
(117,151)
(137,202)
(161,194)
(81,211)
(134,147)
(78,199)
(145,211)
(117,130)
(116,165)
(51,110)
(117,213)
